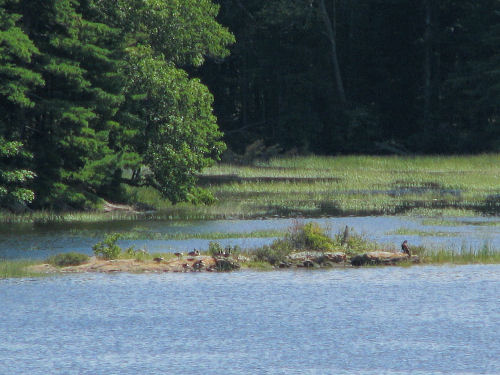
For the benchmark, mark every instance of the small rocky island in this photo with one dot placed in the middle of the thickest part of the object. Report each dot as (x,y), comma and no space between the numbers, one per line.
(304,246)
(206,263)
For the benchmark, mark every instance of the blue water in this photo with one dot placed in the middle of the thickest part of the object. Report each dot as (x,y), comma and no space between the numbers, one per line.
(418,320)
(40,241)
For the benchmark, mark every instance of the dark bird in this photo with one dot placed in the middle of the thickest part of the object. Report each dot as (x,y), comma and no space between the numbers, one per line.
(158,260)
(178,255)
(194,253)
(404,248)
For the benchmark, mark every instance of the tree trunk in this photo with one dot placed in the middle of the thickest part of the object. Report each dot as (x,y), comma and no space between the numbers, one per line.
(427,64)
(333,50)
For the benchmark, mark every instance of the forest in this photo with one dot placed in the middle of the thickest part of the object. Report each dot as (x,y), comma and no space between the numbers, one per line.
(98,94)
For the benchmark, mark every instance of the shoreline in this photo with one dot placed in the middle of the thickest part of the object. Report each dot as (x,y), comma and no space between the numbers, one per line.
(204,263)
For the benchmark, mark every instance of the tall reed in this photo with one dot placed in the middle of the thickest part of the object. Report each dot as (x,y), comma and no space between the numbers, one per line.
(467,255)
(16,268)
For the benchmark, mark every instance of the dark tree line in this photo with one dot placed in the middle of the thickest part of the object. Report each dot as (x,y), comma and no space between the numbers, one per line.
(360,76)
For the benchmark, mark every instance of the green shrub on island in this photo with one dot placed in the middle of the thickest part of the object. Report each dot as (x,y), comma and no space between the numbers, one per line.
(141,254)
(68,259)
(275,253)
(301,237)
(107,248)
(310,236)
(215,249)
(354,243)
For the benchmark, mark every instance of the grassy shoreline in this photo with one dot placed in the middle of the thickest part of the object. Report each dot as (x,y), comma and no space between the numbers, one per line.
(316,186)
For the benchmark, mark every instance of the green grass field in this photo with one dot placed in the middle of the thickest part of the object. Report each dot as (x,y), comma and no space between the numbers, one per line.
(329,186)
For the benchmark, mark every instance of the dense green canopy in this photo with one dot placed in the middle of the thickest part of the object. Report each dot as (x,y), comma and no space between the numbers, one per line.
(97,93)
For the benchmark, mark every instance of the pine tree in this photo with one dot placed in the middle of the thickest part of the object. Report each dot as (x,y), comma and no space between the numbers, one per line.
(69,127)
(16,81)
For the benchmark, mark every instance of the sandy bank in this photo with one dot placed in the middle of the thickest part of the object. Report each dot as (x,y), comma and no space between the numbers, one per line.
(198,263)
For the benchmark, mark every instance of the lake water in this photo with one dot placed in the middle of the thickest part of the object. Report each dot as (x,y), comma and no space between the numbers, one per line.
(418,320)
(38,241)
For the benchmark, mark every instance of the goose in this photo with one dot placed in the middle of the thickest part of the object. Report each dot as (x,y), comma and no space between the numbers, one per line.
(198,265)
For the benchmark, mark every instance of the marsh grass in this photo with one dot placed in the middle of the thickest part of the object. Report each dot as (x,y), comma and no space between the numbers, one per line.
(145,256)
(482,255)
(316,186)
(361,185)
(458,223)
(421,233)
(257,265)
(16,268)
(146,235)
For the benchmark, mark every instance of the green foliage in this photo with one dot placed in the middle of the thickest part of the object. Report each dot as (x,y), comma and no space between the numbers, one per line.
(310,236)
(95,89)
(167,116)
(199,196)
(140,254)
(179,133)
(355,243)
(68,259)
(214,248)
(14,178)
(275,253)
(16,52)
(107,248)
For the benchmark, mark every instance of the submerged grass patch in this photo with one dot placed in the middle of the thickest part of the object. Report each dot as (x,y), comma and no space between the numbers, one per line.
(16,268)
(459,222)
(145,235)
(421,233)
(258,265)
